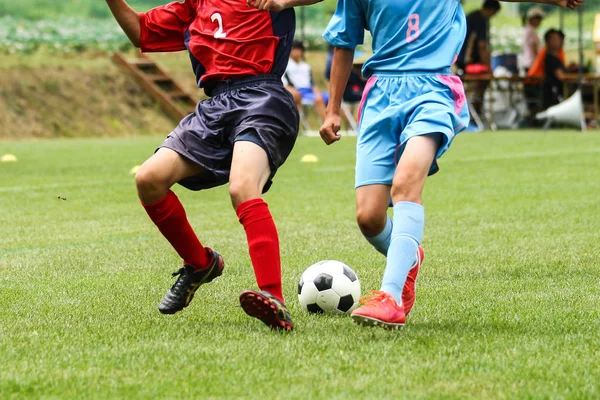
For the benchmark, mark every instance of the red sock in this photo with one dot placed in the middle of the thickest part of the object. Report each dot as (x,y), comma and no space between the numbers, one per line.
(169,216)
(263,244)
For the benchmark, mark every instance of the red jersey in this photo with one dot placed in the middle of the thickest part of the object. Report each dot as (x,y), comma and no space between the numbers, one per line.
(226,39)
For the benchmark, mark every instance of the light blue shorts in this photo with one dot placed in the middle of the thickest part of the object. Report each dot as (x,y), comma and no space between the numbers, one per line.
(394,109)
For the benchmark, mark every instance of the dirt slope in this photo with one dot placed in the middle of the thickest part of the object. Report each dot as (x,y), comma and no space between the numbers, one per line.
(69,96)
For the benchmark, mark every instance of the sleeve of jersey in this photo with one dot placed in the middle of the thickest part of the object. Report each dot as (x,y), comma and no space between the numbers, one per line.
(346,28)
(163,28)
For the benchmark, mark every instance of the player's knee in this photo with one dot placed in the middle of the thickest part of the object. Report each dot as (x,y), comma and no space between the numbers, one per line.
(243,189)
(407,186)
(370,221)
(148,181)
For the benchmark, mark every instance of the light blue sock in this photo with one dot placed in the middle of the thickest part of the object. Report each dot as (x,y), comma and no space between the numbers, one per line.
(407,233)
(381,242)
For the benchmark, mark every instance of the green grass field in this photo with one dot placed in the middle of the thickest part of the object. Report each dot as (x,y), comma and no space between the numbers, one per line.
(508,298)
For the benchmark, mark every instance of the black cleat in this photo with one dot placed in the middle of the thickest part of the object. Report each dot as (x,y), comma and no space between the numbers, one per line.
(182,292)
(268,308)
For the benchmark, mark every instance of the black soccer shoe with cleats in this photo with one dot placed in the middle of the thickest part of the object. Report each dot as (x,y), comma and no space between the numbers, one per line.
(182,292)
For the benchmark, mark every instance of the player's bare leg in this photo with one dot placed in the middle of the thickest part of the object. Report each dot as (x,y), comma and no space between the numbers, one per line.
(372,202)
(160,172)
(250,171)
(413,168)
(200,265)
(385,307)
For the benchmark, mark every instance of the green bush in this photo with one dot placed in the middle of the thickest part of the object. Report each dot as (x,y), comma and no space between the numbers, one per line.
(50,9)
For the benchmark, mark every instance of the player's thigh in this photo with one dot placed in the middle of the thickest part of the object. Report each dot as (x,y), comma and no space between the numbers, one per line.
(166,167)
(250,168)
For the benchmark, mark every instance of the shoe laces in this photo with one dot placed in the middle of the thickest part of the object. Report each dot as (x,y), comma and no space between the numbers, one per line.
(374,297)
(180,282)
(180,272)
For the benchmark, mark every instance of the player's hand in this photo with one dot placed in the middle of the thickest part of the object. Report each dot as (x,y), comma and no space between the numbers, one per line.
(330,128)
(572,4)
(267,5)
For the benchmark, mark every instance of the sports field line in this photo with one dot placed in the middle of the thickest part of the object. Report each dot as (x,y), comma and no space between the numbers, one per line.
(19,188)
(509,156)
(532,154)
(120,238)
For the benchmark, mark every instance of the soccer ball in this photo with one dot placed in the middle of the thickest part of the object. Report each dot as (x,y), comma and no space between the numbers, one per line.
(329,286)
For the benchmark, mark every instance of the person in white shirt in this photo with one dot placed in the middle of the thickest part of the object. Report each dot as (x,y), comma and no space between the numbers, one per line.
(298,80)
(531,40)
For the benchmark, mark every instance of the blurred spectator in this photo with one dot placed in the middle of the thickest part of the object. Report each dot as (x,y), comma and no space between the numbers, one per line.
(534,84)
(537,70)
(298,80)
(554,68)
(476,48)
(531,40)
(475,55)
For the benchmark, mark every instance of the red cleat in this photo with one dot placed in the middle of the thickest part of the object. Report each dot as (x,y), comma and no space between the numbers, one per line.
(408,292)
(267,308)
(379,309)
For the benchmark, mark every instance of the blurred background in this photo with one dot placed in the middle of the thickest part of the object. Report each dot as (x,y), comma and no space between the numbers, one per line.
(55,62)
(76,25)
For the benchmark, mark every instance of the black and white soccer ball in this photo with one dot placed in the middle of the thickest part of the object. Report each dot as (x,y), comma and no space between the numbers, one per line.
(329,286)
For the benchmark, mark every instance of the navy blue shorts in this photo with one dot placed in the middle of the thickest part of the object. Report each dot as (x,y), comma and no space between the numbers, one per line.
(256,109)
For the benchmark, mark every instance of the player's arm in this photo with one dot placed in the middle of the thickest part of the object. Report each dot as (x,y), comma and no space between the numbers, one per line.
(278,5)
(572,4)
(340,72)
(345,31)
(127,18)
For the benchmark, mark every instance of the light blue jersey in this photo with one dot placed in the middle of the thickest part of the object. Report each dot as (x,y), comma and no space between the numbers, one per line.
(410,90)
(408,35)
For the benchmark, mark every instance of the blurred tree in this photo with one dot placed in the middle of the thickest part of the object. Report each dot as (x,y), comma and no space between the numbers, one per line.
(329,7)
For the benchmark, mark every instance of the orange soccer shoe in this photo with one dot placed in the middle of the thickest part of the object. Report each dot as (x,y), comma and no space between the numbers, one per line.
(408,292)
(379,309)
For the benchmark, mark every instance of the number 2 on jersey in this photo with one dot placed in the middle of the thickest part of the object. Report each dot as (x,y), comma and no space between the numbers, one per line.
(219,34)
(413,28)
